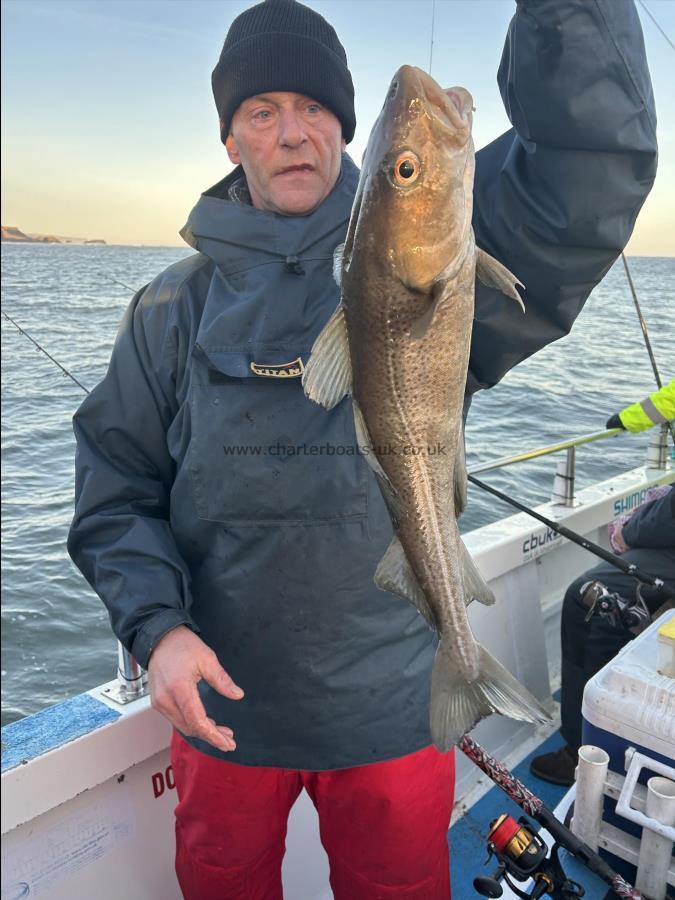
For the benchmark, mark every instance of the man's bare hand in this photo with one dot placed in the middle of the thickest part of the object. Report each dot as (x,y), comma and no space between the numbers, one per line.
(179,661)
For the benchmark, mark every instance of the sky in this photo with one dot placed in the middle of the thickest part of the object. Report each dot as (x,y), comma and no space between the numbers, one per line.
(109,129)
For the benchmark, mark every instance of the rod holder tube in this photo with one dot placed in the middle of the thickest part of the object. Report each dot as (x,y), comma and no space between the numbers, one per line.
(131,676)
(563,483)
(655,849)
(591,774)
(657,451)
(635,763)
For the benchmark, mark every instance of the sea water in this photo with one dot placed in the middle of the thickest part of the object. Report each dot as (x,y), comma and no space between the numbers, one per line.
(56,640)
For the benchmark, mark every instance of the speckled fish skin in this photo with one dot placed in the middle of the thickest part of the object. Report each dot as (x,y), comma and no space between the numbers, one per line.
(411,390)
(408,276)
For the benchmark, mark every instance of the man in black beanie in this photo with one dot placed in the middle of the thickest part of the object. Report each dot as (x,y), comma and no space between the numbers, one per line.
(206,522)
(285,45)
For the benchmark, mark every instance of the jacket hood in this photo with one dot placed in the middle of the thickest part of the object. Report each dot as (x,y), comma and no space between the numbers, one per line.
(238,236)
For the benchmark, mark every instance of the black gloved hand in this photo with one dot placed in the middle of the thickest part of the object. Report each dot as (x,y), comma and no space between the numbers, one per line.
(615,422)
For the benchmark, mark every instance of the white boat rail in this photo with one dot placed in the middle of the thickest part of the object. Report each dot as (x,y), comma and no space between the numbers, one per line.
(563,485)
(570,443)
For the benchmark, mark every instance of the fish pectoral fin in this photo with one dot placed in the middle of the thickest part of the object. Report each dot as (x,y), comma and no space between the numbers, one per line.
(422,324)
(474,585)
(394,573)
(458,705)
(494,275)
(389,492)
(328,373)
(425,320)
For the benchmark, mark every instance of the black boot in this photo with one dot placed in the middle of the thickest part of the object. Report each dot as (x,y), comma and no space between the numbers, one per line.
(557,767)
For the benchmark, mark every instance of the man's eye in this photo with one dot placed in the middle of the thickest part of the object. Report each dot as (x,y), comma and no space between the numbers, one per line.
(313,108)
(262,114)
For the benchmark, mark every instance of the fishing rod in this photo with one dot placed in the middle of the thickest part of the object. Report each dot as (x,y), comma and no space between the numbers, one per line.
(643,324)
(121,283)
(42,350)
(46,353)
(645,335)
(431,42)
(523,860)
(643,5)
(606,555)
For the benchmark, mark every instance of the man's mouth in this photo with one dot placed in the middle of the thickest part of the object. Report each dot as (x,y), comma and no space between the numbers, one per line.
(305,167)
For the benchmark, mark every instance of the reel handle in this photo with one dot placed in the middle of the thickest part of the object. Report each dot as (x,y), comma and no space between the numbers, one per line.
(488,886)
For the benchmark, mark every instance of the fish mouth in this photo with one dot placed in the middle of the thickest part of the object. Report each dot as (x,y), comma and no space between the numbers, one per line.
(451,109)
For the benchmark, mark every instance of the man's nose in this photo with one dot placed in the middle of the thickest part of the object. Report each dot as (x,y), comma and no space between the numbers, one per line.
(291,129)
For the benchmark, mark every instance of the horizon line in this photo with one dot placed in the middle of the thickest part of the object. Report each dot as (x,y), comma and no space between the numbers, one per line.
(185,246)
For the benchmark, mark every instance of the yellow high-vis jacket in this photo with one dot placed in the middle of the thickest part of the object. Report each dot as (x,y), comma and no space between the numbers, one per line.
(655,409)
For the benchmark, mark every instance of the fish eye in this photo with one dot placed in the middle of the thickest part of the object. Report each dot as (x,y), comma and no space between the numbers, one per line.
(406,168)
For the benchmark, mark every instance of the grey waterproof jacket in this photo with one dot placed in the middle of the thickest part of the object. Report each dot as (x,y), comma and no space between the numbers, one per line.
(211,493)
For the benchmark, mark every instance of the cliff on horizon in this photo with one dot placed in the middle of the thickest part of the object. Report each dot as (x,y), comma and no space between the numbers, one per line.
(15,235)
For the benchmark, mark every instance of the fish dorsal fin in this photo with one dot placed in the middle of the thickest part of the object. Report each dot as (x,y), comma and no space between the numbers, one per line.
(394,573)
(328,373)
(460,480)
(494,275)
(338,255)
(473,583)
(391,497)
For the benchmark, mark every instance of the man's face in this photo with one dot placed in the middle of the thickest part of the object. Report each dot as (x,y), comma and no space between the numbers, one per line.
(290,148)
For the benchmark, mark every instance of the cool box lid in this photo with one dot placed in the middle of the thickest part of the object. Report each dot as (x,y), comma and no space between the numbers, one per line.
(629,698)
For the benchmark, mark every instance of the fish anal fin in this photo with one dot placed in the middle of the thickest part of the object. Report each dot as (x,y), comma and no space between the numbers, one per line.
(495,275)
(473,583)
(458,705)
(328,373)
(394,573)
(391,497)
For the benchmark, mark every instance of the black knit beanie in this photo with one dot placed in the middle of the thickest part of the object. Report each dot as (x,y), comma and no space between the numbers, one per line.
(282,45)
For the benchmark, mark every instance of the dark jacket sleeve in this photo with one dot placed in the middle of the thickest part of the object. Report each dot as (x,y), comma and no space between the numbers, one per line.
(120,537)
(652,526)
(556,197)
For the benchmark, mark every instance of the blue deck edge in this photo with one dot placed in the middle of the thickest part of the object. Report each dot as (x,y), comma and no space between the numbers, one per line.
(29,738)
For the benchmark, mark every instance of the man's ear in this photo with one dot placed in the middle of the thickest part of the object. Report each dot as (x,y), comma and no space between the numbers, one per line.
(344,145)
(232,151)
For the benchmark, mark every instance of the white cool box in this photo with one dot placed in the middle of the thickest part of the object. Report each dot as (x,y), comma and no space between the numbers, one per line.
(631,703)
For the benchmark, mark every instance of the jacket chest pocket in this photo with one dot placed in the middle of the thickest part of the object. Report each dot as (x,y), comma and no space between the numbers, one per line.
(261,452)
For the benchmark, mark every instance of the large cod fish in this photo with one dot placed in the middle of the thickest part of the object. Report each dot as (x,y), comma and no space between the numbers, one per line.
(399,344)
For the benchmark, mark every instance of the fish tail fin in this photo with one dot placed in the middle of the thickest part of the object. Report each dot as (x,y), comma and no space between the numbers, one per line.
(457,705)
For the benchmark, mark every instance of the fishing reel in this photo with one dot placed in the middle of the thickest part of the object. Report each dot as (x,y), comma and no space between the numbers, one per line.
(522,855)
(597,600)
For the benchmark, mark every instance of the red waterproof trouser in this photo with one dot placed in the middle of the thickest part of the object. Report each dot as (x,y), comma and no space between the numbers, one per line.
(384,826)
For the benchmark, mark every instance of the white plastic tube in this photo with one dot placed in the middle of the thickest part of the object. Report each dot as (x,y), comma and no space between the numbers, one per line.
(635,763)
(590,776)
(655,849)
